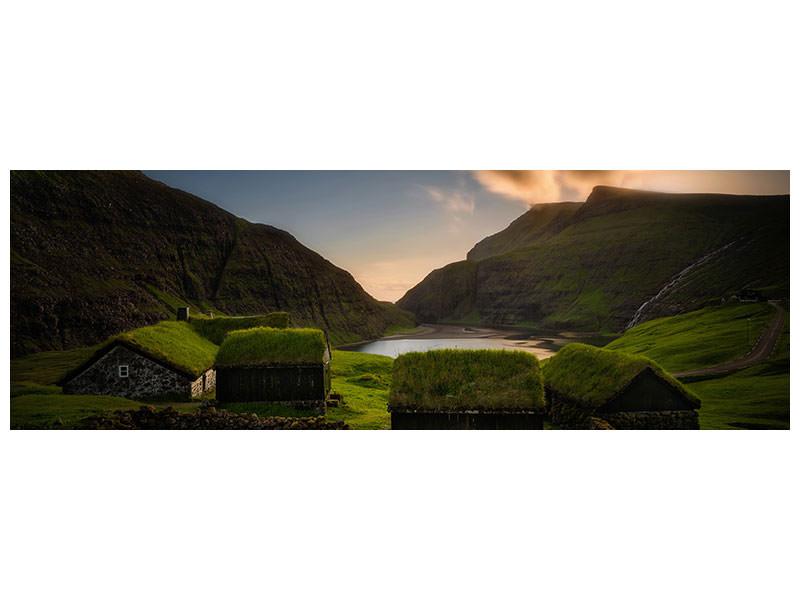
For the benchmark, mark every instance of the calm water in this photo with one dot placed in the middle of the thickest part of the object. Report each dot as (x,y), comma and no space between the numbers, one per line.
(448,336)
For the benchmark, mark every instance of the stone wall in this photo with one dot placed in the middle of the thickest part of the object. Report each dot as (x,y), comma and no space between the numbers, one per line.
(145,377)
(664,419)
(205,418)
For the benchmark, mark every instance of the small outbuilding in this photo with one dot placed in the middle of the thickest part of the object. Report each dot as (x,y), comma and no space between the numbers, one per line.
(466,389)
(288,367)
(587,387)
(748,295)
(166,360)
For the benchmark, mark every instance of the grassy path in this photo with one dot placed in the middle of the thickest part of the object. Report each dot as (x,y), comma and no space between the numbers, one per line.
(758,353)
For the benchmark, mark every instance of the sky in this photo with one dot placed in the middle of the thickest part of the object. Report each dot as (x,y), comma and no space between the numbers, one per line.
(389,229)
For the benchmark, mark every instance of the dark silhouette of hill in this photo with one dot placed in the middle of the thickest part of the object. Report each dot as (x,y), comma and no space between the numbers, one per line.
(95,253)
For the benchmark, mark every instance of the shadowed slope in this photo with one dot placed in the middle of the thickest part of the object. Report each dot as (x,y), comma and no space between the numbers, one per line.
(94,253)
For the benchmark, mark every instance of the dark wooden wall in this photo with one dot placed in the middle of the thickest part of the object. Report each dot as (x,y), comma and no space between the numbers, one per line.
(291,385)
(647,392)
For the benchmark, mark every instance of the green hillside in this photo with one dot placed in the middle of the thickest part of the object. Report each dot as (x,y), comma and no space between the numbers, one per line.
(702,338)
(753,398)
(96,253)
(616,252)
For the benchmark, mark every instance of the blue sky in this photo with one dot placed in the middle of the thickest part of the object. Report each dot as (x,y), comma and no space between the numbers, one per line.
(391,228)
(388,228)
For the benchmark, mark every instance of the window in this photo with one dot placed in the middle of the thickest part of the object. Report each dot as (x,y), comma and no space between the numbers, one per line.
(123,370)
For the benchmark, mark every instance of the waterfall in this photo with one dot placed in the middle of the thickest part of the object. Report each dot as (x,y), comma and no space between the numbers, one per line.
(637,316)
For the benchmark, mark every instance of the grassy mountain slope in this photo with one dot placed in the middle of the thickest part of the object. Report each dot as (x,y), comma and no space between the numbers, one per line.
(616,251)
(97,253)
(540,223)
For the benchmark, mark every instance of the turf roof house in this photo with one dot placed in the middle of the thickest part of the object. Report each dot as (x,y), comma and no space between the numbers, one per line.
(588,387)
(466,389)
(164,360)
(289,367)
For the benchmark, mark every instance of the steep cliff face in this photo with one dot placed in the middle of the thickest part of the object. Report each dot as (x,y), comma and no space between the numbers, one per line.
(96,253)
(590,268)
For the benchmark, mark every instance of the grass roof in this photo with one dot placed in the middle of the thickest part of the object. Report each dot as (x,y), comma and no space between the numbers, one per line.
(217,328)
(175,343)
(172,343)
(466,379)
(268,346)
(592,376)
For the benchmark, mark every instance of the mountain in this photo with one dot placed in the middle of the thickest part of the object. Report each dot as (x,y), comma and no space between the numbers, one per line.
(540,223)
(592,266)
(95,253)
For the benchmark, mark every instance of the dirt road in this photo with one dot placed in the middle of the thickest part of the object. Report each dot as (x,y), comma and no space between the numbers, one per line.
(760,351)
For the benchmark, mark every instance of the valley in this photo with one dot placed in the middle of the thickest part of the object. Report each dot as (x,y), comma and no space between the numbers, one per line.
(698,283)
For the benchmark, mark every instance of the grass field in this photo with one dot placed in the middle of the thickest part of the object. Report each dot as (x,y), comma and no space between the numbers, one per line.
(364,381)
(753,398)
(47,368)
(61,411)
(702,338)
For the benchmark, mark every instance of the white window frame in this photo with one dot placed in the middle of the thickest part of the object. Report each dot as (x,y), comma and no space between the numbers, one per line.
(126,371)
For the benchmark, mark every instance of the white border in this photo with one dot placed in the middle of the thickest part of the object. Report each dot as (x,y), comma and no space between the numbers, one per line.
(421,85)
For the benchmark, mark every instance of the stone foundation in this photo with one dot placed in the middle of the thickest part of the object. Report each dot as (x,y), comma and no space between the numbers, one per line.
(466,420)
(569,415)
(664,419)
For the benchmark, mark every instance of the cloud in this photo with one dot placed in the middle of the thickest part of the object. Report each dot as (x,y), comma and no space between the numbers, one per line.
(538,187)
(457,202)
